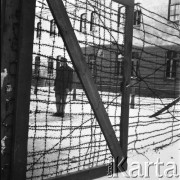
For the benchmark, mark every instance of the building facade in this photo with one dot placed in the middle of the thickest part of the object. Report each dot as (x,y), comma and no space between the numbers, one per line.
(155,43)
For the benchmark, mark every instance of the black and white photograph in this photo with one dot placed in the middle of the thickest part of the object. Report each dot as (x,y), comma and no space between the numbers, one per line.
(90,89)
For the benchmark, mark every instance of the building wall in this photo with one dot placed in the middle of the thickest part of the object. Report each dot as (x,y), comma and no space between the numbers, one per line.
(106,66)
(153,67)
(151,79)
(160,9)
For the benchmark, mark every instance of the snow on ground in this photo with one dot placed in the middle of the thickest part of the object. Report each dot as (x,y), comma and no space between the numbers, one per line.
(167,158)
(48,134)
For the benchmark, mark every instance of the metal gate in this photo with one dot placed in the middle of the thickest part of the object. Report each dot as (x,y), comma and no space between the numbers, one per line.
(95,39)
(78,145)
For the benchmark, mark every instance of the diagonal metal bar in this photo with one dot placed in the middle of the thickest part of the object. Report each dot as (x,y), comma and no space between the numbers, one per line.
(166,107)
(65,28)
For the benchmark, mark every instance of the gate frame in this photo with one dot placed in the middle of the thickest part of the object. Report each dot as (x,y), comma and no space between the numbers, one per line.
(118,151)
(17,48)
(24,73)
(23,89)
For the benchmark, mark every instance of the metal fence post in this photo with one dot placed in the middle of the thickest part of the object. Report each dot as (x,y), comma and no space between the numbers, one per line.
(17,44)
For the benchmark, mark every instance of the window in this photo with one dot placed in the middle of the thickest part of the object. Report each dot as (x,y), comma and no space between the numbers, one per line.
(50,65)
(174,11)
(38,35)
(133,73)
(92,63)
(171,65)
(121,17)
(37,65)
(58,61)
(119,65)
(137,17)
(83,22)
(52,28)
(135,64)
(94,18)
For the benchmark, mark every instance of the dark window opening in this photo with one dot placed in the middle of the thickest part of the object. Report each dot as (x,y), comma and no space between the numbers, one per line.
(58,62)
(135,64)
(52,28)
(137,17)
(92,63)
(132,68)
(38,35)
(93,24)
(121,16)
(50,65)
(119,65)
(171,64)
(37,65)
(83,23)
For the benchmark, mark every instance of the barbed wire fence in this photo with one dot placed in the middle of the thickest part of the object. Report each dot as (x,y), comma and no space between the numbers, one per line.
(58,146)
(163,129)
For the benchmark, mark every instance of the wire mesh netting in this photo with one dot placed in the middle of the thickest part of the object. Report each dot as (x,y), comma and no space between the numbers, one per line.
(64,135)
(155,82)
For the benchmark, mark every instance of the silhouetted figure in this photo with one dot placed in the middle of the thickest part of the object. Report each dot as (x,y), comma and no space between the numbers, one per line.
(62,86)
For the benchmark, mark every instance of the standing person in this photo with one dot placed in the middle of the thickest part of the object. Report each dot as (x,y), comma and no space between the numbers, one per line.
(62,85)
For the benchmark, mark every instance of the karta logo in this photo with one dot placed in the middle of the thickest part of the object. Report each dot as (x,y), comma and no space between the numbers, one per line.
(143,170)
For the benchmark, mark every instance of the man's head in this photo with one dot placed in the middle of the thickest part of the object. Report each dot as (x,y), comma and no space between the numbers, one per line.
(63,61)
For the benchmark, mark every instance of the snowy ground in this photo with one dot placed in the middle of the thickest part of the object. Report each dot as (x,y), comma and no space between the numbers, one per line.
(168,157)
(47,134)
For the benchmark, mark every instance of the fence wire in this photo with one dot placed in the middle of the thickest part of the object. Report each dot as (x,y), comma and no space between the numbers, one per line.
(62,145)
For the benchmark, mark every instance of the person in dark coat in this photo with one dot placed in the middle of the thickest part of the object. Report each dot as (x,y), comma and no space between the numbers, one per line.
(62,86)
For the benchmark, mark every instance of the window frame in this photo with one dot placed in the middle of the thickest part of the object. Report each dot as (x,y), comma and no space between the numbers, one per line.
(119,64)
(58,61)
(171,60)
(137,17)
(52,28)
(93,24)
(174,12)
(38,32)
(37,65)
(83,21)
(92,64)
(134,65)
(119,17)
(50,66)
